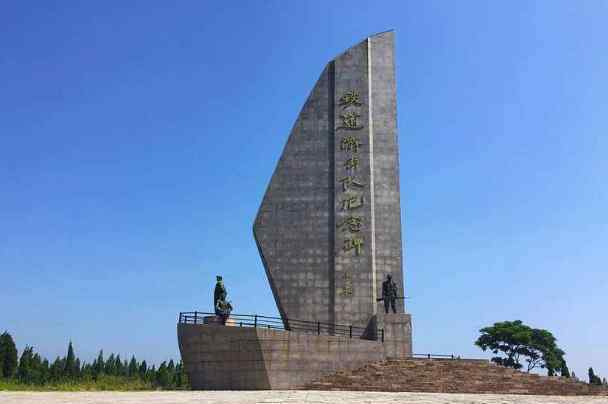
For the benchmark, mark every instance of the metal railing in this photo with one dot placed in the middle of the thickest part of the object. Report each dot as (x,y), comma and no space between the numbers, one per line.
(310,327)
(277,323)
(435,356)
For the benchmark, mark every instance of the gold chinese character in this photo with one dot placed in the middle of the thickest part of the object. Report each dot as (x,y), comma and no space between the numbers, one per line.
(349,182)
(347,290)
(350,144)
(351,223)
(349,120)
(352,163)
(350,98)
(353,243)
(352,202)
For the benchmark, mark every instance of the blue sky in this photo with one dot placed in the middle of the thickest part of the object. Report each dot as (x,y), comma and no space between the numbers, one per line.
(137,139)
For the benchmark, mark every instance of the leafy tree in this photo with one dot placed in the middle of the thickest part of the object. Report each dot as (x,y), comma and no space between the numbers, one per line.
(509,338)
(8,355)
(516,341)
(543,352)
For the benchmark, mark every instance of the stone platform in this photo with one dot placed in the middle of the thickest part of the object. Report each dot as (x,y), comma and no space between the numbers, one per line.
(245,358)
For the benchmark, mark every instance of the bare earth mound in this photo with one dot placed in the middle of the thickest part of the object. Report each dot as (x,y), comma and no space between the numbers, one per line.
(451,376)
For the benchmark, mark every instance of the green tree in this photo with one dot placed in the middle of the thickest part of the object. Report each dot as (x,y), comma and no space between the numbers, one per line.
(70,369)
(593,378)
(171,372)
(86,372)
(133,368)
(515,341)
(37,369)
(44,366)
(98,365)
(56,369)
(124,368)
(118,366)
(151,374)
(564,370)
(181,379)
(162,376)
(110,366)
(143,368)
(24,371)
(8,355)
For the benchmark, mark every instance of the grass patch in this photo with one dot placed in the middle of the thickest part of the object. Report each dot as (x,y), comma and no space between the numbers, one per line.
(105,383)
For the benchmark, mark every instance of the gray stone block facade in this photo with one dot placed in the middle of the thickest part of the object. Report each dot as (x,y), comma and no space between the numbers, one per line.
(329,226)
(244,358)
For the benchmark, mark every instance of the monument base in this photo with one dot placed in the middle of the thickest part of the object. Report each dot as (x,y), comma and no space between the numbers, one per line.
(219,320)
(247,358)
(397,335)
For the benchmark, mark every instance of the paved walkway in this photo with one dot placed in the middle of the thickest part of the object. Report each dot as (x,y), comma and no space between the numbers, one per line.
(317,397)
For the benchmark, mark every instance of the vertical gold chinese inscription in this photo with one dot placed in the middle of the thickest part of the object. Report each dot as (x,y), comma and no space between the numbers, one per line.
(350,144)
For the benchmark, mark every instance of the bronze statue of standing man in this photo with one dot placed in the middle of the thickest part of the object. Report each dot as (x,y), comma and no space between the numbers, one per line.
(389,294)
(219,293)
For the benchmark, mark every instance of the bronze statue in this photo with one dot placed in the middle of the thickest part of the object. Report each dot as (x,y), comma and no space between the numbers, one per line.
(219,293)
(221,305)
(223,309)
(389,294)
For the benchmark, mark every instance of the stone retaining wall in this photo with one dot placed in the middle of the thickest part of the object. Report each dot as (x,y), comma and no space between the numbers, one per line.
(235,358)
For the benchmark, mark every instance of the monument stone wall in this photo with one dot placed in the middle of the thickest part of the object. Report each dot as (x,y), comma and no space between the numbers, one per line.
(329,226)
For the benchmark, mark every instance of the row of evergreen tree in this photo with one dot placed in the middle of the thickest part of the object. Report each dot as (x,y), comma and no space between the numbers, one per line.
(31,368)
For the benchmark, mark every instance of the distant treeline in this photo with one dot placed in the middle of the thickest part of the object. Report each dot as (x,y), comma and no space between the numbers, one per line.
(32,369)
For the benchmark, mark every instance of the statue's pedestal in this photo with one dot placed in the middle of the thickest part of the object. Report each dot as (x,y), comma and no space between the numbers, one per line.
(218,320)
(397,335)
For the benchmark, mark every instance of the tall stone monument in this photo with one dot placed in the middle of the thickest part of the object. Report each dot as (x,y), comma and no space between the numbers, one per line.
(329,226)
(329,232)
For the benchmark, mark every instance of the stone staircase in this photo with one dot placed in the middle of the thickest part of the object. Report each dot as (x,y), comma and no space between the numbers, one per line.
(450,376)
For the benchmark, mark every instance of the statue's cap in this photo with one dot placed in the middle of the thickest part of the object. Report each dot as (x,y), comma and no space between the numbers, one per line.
(218,278)
(389,276)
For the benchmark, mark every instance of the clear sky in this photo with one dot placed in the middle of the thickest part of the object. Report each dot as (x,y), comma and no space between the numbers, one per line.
(137,140)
